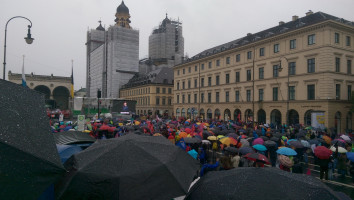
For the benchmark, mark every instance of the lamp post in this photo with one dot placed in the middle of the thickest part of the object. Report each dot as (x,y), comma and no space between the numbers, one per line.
(28,39)
(287,102)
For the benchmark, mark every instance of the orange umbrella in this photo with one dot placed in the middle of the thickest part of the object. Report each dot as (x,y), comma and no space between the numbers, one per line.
(228,140)
(182,134)
(327,139)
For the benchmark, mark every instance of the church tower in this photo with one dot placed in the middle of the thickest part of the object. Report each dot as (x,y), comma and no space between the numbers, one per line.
(122,16)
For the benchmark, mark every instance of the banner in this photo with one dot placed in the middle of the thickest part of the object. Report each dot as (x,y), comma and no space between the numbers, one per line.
(81,122)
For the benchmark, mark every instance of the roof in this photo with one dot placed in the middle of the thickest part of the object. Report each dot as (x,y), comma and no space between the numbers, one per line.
(122,8)
(308,20)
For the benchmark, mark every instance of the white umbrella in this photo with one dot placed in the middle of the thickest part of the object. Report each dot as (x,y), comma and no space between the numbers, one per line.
(206,142)
(346,138)
(340,149)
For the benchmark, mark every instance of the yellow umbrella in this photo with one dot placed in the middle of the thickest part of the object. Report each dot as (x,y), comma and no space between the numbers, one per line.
(212,138)
(220,136)
(228,140)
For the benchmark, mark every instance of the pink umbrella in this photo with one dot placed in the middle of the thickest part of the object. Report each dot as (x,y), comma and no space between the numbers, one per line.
(258,141)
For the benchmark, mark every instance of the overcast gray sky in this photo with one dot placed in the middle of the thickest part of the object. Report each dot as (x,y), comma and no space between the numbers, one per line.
(60,26)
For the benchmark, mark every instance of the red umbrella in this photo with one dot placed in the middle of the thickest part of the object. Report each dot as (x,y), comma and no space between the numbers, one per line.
(322,152)
(258,141)
(257,157)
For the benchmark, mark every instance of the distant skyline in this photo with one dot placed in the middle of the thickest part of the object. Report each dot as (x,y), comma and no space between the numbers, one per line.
(60,26)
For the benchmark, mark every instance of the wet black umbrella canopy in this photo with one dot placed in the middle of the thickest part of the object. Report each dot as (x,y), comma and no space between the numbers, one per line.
(129,167)
(259,183)
(29,161)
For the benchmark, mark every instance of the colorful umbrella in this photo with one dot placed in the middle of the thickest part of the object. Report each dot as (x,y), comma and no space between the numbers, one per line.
(260,147)
(182,134)
(285,160)
(220,136)
(233,135)
(322,152)
(212,138)
(339,142)
(258,141)
(257,157)
(286,151)
(327,139)
(340,149)
(228,140)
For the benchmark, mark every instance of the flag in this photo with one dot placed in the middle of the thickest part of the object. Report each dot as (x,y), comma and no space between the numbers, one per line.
(72,80)
(24,84)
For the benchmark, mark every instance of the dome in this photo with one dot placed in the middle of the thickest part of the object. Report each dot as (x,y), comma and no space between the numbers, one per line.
(100,28)
(166,21)
(122,8)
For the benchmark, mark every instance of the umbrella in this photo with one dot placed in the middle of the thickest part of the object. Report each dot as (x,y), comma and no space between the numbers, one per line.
(72,137)
(305,143)
(158,134)
(340,149)
(316,142)
(65,151)
(297,144)
(29,160)
(259,183)
(231,149)
(350,156)
(233,135)
(206,142)
(228,140)
(285,160)
(128,167)
(346,138)
(245,150)
(192,140)
(339,142)
(322,152)
(327,139)
(265,138)
(260,147)
(258,141)
(275,139)
(193,153)
(182,134)
(257,157)
(245,143)
(286,151)
(270,143)
(212,138)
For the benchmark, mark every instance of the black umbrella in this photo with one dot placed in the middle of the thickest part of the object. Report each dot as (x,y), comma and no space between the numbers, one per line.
(128,167)
(192,140)
(296,144)
(259,183)
(275,139)
(231,149)
(233,135)
(265,138)
(270,143)
(29,161)
(72,137)
(278,135)
(313,141)
(245,150)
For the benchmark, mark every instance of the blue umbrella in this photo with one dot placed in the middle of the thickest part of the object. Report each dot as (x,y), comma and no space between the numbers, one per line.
(66,151)
(260,147)
(286,151)
(245,150)
(291,140)
(350,156)
(193,153)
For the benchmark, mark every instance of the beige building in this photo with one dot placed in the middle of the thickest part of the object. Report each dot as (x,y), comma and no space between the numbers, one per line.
(296,72)
(152,91)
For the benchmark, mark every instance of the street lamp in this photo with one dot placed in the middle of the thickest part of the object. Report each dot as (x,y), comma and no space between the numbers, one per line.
(287,102)
(28,39)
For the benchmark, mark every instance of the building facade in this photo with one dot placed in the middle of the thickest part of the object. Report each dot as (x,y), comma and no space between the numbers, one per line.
(112,55)
(290,74)
(152,91)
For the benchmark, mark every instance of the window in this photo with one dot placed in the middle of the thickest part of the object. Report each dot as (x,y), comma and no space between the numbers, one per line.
(311,65)
(163,101)
(178,86)
(217,63)
(336,38)
(157,101)
(349,92)
(157,90)
(196,68)
(183,99)
(349,66)
(311,39)
(310,92)
(293,44)
(292,68)
(249,75)
(276,48)
(189,84)
(237,76)
(202,98)
(337,91)
(203,66)
(261,73)
(195,98)
(275,71)
(237,94)
(189,69)
(184,71)
(169,91)
(261,52)
(337,64)
(195,83)
(217,80)
(248,92)
(209,81)
(227,60)
(209,65)
(202,82)
(217,97)
(227,96)
(260,94)
(189,98)
(238,58)
(183,85)
(275,94)
(227,78)
(177,98)
(163,90)
(291,93)
(169,101)
(347,40)
(249,55)
(209,97)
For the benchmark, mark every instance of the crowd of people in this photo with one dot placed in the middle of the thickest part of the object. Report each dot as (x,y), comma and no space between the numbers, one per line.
(223,145)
